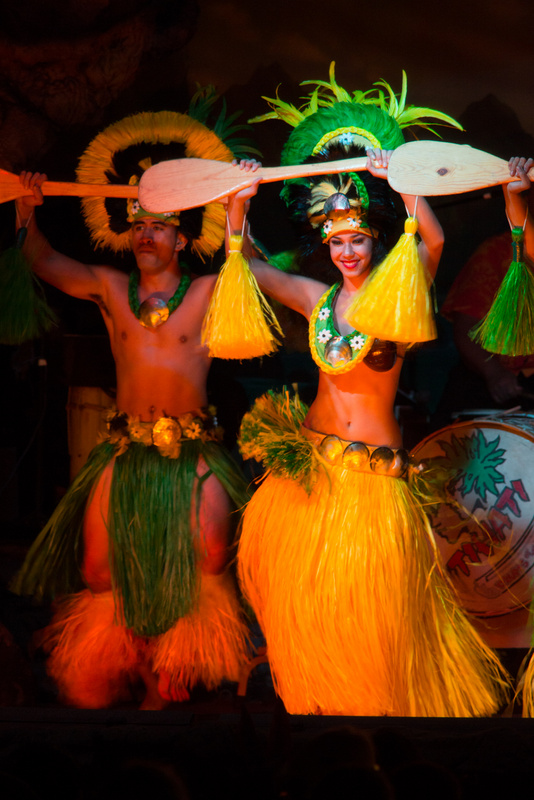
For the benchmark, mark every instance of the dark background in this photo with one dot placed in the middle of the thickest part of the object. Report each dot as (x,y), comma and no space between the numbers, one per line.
(68,68)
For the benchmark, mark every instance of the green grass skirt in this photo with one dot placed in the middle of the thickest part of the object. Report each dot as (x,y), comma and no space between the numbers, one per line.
(152,555)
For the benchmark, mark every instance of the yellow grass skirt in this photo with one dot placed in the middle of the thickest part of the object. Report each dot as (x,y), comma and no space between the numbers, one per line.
(525,689)
(358,618)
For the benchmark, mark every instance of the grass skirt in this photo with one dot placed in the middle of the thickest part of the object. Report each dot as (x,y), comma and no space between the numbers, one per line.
(358,618)
(209,645)
(92,660)
(152,555)
(162,612)
(96,662)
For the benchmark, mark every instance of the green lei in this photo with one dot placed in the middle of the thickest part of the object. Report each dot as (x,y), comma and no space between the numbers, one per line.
(322,333)
(174,301)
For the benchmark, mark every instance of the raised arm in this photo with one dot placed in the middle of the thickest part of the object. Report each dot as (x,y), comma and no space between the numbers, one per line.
(66,274)
(430,230)
(295,291)
(516,199)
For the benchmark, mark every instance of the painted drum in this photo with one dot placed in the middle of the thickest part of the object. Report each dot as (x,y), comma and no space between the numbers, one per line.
(485,534)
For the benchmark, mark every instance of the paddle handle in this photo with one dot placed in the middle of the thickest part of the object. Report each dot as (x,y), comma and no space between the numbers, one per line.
(271,174)
(12,189)
(66,189)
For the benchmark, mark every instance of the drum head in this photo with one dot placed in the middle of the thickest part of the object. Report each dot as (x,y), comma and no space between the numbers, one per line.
(485,534)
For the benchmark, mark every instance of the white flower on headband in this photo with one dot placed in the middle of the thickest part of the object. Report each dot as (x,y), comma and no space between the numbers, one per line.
(324,336)
(324,313)
(347,221)
(344,139)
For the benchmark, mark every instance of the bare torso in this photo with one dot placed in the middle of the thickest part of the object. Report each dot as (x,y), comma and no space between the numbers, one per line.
(160,371)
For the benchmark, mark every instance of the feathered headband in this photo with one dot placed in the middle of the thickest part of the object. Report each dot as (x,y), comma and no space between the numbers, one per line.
(335,210)
(333,124)
(123,151)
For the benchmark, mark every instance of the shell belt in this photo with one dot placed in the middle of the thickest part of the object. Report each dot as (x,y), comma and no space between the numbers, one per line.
(166,433)
(361,457)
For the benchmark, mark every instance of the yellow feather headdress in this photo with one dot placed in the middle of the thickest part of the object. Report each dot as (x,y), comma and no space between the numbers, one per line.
(122,152)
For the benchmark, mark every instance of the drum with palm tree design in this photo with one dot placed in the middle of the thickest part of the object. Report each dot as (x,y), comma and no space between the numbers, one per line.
(484,525)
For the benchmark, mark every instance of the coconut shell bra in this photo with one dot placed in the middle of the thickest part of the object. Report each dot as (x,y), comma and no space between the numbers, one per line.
(336,354)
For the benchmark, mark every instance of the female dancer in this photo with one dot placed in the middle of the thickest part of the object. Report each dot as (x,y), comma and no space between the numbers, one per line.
(336,556)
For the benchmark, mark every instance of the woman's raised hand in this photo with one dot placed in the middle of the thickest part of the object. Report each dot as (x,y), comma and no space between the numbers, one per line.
(239,202)
(519,167)
(378,162)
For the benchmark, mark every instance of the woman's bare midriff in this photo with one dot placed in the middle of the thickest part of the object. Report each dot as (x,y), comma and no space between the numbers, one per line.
(357,416)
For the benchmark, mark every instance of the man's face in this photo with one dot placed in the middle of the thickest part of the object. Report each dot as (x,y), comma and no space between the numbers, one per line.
(154,244)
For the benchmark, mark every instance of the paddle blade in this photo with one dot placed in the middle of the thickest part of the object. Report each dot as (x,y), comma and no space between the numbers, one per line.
(189,183)
(192,182)
(429,168)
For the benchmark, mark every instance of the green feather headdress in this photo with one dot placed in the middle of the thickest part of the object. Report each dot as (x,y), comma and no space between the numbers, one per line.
(332,124)
(330,115)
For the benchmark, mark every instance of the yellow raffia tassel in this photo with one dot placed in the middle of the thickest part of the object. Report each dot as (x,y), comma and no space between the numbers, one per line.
(239,322)
(395,302)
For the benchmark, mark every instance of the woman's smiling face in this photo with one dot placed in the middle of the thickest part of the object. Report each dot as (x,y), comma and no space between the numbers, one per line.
(351,253)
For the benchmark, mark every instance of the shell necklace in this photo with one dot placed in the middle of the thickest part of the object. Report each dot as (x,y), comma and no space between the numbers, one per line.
(153,311)
(332,352)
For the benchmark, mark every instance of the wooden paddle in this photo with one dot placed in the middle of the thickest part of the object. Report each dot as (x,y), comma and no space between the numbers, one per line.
(429,168)
(11,188)
(420,168)
(417,168)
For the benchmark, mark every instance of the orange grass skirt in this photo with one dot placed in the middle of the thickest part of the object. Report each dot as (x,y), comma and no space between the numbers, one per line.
(95,661)
(357,615)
